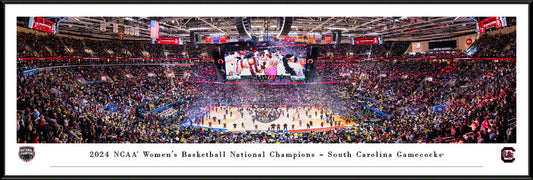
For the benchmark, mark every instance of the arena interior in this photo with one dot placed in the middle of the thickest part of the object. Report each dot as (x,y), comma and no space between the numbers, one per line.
(266,80)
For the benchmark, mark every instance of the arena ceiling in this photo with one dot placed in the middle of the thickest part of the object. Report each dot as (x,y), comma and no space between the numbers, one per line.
(391,28)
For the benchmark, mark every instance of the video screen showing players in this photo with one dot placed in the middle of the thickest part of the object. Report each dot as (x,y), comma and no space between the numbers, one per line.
(265,60)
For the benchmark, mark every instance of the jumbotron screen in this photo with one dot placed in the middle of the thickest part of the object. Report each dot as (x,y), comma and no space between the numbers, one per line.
(265,60)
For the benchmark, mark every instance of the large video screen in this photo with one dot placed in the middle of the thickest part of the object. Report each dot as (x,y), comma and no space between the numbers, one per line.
(265,60)
(450,44)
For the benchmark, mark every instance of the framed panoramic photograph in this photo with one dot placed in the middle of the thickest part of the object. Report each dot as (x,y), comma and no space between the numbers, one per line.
(266,90)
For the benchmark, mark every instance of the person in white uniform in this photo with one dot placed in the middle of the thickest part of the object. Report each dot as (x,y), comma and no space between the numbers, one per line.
(231,64)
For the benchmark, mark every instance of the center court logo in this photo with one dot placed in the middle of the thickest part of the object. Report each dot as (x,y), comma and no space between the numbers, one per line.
(507,154)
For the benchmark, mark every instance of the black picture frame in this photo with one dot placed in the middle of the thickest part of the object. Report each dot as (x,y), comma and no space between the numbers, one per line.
(4,2)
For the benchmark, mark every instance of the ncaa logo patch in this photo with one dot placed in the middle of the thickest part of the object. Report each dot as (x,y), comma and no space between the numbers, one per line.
(508,154)
(26,153)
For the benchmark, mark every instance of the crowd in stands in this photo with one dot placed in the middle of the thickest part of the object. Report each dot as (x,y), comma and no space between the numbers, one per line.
(34,45)
(59,104)
(396,49)
(74,100)
(348,51)
(498,45)
(423,101)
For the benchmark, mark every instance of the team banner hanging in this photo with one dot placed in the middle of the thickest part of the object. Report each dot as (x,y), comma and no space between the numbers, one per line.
(328,39)
(103,26)
(42,24)
(233,39)
(292,39)
(154,29)
(132,31)
(168,40)
(208,39)
(121,34)
(300,38)
(366,40)
(137,31)
(126,30)
(318,39)
(216,39)
(115,28)
(310,39)
(266,38)
(222,39)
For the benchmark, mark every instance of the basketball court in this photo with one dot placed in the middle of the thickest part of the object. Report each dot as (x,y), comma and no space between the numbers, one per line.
(233,118)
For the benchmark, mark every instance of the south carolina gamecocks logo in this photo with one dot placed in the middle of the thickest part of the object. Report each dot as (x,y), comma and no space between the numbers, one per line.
(508,154)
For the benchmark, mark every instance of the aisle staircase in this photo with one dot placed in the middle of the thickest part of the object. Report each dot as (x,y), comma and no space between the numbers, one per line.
(168,112)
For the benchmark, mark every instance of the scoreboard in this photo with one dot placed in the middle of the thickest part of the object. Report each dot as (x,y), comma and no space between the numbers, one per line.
(491,23)
(367,40)
(42,24)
